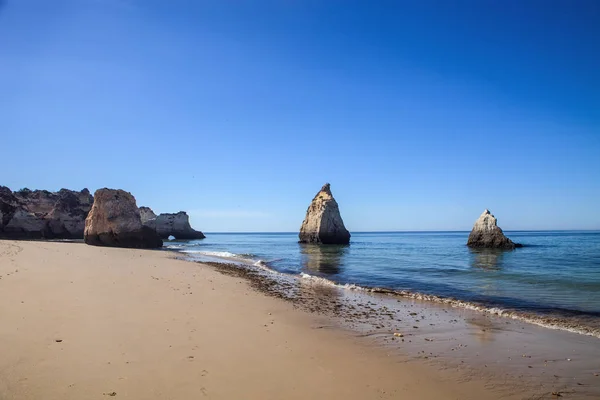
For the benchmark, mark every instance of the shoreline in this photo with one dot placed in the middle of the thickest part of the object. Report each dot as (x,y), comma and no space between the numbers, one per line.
(475,345)
(85,322)
(555,323)
(555,320)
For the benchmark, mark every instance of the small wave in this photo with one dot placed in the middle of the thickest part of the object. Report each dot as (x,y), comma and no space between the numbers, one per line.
(174,246)
(260,263)
(327,282)
(264,266)
(223,254)
(318,279)
(226,256)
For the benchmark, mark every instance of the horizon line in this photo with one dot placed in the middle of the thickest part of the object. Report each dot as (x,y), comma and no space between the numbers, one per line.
(418,231)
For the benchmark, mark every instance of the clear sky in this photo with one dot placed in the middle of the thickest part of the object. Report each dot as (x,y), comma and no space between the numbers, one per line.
(420,114)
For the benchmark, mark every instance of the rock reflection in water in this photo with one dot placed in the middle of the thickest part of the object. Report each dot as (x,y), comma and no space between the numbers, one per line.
(490,259)
(323,259)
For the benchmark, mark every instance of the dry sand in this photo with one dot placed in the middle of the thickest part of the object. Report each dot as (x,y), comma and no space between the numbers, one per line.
(82,322)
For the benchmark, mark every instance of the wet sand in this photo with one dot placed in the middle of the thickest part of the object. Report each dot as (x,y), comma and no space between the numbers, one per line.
(514,357)
(90,322)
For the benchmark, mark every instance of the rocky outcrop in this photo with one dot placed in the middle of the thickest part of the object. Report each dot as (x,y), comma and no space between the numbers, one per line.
(146,214)
(487,234)
(40,214)
(114,220)
(323,222)
(165,225)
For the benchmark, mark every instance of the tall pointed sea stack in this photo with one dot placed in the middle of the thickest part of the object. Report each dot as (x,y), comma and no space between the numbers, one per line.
(487,234)
(323,222)
(114,220)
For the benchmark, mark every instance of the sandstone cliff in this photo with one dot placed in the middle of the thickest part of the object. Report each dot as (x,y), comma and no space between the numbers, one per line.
(167,224)
(146,214)
(40,214)
(486,233)
(323,222)
(114,220)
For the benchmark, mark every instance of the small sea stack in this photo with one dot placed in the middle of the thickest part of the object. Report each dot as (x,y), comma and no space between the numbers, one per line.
(115,221)
(170,224)
(487,234)
(323,223)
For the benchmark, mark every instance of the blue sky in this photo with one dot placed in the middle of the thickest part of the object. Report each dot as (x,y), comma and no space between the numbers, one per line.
(419,114)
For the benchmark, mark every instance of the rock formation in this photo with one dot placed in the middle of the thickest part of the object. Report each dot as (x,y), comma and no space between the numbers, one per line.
(146,214)
(114,220)
(486,233)
(323,223)
(40,214)
(177,225)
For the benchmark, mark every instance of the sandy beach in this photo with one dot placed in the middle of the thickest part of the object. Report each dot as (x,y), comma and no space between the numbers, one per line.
(92,322)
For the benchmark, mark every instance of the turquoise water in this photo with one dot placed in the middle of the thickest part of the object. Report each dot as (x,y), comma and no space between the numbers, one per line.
(556,274)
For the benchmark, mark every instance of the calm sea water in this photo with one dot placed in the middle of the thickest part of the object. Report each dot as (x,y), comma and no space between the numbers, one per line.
(557,273)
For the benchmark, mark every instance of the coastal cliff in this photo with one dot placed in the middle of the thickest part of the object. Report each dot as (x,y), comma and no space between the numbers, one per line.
(170,224)
(323,223)
(487,234)
(40,214)
(146,214)
(114,220)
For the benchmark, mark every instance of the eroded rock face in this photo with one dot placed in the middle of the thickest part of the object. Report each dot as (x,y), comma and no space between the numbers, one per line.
(167,224)
(146,214)
(323,222)
(8,206)
(40,214)
(67,218)
(487,234)
(114,220)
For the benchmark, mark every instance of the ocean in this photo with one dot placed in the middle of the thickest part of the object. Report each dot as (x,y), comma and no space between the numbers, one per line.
(554,280)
